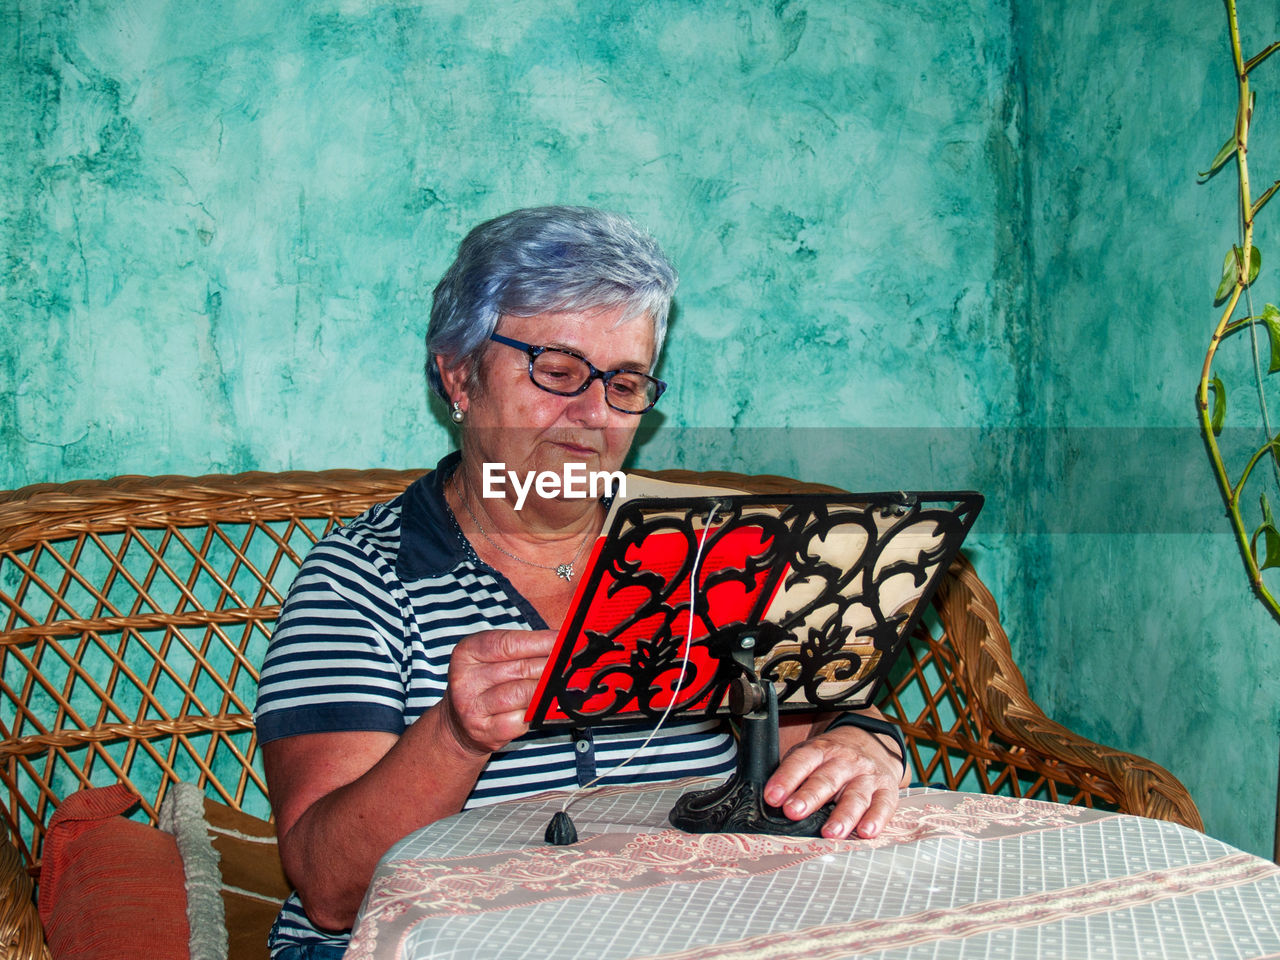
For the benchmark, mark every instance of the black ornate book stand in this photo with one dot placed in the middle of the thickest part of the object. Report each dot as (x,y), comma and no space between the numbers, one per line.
(802,603)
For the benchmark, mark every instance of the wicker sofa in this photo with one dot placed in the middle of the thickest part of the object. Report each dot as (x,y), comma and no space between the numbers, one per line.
(134,613)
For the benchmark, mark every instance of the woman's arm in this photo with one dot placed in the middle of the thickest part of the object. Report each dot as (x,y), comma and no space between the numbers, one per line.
(854,767)
(341,799)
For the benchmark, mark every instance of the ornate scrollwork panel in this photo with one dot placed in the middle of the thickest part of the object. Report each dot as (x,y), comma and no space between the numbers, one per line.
(824,587)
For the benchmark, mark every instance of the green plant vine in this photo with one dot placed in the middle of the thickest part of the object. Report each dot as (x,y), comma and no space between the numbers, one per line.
(1261,547)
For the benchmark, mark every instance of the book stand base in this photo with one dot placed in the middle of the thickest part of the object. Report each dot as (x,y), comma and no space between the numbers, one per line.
(737,805)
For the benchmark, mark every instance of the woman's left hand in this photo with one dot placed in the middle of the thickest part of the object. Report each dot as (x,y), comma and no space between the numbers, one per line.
(847,764)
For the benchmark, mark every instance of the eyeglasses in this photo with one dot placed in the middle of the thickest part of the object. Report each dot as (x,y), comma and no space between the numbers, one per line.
(567,374)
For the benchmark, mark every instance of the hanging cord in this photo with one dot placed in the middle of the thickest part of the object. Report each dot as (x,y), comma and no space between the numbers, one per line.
(561,830)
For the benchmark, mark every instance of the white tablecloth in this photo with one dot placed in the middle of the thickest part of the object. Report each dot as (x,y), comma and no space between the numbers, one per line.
(953,876)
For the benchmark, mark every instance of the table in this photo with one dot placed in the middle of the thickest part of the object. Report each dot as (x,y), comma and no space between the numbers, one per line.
(954,875)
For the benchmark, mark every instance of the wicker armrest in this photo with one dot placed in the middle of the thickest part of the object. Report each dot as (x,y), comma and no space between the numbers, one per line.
(1009,735)
(21,933)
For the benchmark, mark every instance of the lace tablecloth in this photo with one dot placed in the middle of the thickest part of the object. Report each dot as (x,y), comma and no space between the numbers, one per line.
(953,876)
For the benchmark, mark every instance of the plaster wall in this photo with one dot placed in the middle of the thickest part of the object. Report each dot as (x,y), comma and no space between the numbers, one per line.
(1144,632)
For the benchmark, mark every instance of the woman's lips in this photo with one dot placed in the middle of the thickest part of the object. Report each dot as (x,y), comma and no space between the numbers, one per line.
(577,450)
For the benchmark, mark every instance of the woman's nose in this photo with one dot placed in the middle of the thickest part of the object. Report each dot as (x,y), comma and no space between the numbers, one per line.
(589,407)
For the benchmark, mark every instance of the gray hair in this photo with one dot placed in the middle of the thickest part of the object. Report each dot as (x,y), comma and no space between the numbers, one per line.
(541,259)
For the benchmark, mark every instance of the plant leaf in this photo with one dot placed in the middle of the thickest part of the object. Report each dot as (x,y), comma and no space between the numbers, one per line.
(1230,270)
(1270,537)
(1271,317)
(1270,544)
(1219,414)
(1223,156)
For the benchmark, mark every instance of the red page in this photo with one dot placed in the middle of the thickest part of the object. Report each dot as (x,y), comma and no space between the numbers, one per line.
(663,553)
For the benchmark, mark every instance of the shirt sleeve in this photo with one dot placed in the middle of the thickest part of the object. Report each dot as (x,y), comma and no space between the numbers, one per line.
(337,660)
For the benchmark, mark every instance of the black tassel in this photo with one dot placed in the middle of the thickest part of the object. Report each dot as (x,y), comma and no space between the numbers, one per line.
(560,831)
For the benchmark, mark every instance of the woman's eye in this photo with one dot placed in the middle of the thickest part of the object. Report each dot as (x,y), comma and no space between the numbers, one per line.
(556,370)
(626,386)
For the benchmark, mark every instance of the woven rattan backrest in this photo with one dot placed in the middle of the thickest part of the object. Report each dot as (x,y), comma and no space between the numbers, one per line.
(133,616)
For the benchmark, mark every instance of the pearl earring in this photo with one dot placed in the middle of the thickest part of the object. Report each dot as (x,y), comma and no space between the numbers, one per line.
(456,413)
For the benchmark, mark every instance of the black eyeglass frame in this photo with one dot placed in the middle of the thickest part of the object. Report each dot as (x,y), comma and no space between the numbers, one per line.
(604,376)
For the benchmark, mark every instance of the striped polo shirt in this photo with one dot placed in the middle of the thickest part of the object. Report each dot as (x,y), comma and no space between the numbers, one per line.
(363,643)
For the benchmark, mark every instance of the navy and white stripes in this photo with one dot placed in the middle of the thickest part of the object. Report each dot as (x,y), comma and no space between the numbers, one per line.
(363,643)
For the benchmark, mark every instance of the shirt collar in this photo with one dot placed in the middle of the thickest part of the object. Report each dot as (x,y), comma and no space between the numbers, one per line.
(430,542)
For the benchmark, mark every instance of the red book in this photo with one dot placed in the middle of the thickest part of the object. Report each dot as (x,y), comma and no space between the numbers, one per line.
(828,605)
(596,638)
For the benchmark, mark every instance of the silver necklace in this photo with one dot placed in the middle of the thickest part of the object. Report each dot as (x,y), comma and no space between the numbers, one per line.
(563,570)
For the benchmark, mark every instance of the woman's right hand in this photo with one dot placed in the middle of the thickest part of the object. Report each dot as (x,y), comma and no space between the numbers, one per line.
(341,799)
(492,678)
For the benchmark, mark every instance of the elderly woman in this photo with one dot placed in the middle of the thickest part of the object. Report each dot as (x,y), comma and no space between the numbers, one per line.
(394,690)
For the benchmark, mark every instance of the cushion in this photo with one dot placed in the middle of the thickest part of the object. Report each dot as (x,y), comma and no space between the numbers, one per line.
(253,882)
(182,814)
(111,887)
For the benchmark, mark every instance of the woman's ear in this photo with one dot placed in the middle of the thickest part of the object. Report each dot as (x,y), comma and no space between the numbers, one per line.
(454,377)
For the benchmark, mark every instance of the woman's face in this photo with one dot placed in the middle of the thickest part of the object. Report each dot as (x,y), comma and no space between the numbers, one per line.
(511,420)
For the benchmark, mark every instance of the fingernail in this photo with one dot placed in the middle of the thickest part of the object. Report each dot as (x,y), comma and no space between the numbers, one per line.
(797,807)
(835,829)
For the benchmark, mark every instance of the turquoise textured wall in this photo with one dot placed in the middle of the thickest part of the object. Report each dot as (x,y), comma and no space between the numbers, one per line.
(226,224)
(1149,635)
(921,244)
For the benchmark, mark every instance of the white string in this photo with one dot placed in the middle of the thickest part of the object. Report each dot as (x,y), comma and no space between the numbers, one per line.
(684,663)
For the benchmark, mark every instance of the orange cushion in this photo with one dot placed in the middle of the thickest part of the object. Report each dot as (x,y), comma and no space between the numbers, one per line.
(109,886)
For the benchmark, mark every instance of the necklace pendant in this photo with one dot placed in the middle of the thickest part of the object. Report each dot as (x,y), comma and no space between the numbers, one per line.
(564,571)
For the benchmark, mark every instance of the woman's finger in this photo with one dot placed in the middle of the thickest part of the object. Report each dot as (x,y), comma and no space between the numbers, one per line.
(829,767)
(502,646)
(794,769)
(864,808)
